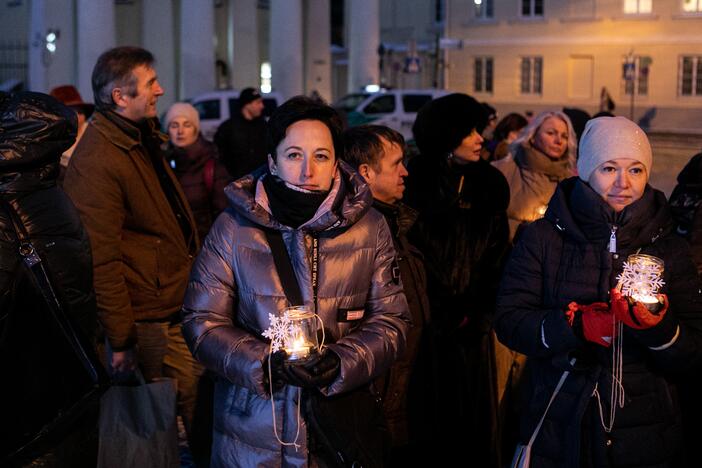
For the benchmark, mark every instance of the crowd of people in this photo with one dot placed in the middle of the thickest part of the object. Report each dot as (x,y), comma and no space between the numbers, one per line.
(474,290)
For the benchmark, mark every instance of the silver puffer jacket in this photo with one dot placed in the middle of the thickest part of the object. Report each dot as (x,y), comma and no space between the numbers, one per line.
(234,286)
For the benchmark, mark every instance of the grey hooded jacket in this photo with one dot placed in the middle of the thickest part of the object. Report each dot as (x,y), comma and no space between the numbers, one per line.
(234,287)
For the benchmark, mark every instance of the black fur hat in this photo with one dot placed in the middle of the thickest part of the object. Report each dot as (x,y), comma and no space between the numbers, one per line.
(443,123)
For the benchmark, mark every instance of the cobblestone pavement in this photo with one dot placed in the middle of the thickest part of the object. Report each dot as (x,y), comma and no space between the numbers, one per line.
(670,154)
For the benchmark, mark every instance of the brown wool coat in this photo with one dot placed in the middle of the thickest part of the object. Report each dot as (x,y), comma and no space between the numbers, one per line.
(141,260)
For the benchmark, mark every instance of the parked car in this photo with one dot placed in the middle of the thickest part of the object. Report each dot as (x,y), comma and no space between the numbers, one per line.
(395,108)
(217,106)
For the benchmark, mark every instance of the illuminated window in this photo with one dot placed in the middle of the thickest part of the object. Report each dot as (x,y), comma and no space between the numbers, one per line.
(690,76)
(482,68)
(635,7)
(531,75)
(635,75)
(483,9)
(692,6)
(266,77)
(532,7)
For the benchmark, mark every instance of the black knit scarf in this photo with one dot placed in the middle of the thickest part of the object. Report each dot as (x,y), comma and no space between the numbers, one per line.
(288,206)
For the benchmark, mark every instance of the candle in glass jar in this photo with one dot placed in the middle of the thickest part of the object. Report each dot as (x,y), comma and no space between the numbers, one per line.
(298,349)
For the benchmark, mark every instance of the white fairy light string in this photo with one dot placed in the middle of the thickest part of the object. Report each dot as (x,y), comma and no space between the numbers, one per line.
(640,279)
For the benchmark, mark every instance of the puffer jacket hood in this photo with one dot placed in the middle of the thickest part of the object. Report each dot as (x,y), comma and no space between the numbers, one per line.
(35,129)
(350,198)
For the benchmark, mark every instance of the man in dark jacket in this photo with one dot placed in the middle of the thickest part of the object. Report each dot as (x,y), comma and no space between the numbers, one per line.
(377,154)
(141,228)
(242,139)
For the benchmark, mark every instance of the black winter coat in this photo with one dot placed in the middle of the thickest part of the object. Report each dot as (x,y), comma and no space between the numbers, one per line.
(565,257)
(242,144)
(462,232)
(40,373)
(403,387)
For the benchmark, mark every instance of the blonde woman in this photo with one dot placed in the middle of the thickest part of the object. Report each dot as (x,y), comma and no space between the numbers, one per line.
(543,155)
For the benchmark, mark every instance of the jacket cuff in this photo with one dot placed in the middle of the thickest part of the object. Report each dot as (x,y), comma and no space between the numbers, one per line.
(557,333)
(121,343)
(658,335)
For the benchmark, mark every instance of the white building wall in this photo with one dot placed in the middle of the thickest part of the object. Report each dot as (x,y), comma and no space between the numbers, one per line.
(564,33)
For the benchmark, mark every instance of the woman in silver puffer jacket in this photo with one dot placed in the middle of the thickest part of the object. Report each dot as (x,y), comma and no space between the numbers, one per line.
(307,194)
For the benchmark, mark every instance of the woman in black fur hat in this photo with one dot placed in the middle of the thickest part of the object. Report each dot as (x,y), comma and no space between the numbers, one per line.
(463,233)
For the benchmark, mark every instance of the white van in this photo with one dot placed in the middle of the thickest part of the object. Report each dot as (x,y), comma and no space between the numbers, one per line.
(217,106)
(395,108)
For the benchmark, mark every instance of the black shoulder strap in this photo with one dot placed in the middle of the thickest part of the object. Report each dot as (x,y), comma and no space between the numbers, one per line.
(283,264)
(41,281)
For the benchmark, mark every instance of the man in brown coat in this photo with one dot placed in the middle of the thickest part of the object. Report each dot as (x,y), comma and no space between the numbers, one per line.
(141,229)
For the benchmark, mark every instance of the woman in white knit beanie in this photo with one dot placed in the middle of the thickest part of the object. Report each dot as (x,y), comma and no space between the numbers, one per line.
(615,160)
(560,303)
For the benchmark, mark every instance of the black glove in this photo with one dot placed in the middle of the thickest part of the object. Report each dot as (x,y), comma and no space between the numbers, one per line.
(277,373)
(315,373)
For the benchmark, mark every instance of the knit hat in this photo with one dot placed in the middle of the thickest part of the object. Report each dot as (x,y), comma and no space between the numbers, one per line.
(443,123)
(69,96)
(247,95)
(183,109)
(607,138)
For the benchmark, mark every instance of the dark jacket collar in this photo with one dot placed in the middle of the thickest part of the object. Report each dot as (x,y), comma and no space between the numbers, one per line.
(123,132)
(581,214)
(399,216)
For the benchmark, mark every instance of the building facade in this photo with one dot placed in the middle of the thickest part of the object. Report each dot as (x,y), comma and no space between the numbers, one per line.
(534,55)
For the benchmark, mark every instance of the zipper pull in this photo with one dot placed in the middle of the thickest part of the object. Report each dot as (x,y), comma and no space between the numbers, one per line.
(613,240)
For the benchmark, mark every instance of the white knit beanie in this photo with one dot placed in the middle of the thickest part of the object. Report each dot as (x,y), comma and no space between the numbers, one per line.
(183,109)
(607,138)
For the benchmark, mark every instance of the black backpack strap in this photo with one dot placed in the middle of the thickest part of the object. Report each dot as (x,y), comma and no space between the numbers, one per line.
(283,265)
(41,281)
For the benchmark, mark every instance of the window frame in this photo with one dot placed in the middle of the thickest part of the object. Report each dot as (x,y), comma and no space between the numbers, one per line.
(480,79)
(697,9)
(638,7)
(695,77)
(534,87)
(485,11)
(532,9)
(638,77)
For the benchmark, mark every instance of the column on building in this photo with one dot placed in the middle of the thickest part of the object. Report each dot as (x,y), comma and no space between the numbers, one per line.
(50,68)
(286,47)
(318,48)
(242,38)
(96,34)
(363,39)
(197,59)
(157,35)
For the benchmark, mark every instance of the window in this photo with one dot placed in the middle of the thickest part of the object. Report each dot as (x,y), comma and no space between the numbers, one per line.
(637,7)
(690,81)
(381,105)
(531,76)
(208,109)
(414,102)
(483,74)
(635,75)
(484,9)
(532,7)
(692,6)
